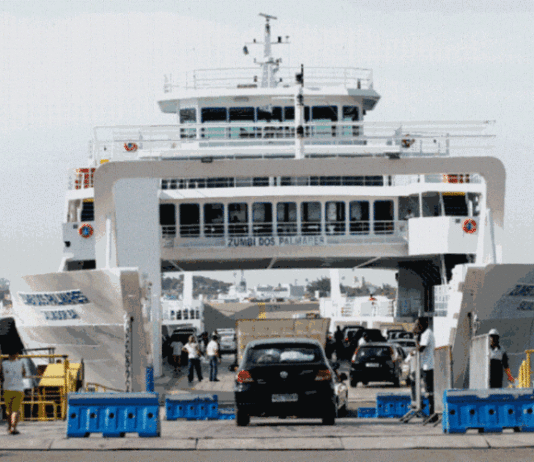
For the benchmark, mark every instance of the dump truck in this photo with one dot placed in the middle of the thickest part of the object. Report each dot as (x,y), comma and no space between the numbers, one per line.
(256,329)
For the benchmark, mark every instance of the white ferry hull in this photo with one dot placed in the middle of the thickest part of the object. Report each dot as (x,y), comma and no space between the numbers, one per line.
(82,314)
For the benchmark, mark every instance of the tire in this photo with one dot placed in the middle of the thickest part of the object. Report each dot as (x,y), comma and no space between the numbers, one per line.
(329,418)
(242,419)
(353,382)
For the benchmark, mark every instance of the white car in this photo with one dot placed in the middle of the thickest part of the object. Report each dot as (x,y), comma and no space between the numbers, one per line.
(406,344)
(227,341)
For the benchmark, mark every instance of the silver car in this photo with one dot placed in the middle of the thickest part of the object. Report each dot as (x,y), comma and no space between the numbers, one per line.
(227,341)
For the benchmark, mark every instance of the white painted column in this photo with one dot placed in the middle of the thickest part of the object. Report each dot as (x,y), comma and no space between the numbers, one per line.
(335,291)
(187,294)
(138,244)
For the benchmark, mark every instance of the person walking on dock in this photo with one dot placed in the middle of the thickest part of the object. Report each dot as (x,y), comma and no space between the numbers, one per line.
(426,349)
(338,338)
(498,361)
(13,372)
(194,353)
(177,347)
(213,354)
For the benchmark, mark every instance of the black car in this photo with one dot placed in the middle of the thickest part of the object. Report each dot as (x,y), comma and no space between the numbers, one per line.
(285,377)
(376,362)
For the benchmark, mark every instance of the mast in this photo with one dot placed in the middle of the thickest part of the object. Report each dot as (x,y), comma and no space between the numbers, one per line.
(268,71)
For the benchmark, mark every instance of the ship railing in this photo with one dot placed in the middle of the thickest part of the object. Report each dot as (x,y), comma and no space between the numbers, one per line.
(334,233)
(278,138)
(251,77)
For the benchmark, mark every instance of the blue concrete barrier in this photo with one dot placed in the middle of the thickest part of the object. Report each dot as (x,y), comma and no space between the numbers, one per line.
(192,407)
(366,412)
(394,405)
(113,414)
(488,410)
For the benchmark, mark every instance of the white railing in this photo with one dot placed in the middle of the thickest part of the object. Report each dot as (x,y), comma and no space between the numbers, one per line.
(331,232)
(251,78)
(189,141)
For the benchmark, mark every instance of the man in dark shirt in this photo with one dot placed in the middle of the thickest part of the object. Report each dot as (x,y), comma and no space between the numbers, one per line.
(498,361)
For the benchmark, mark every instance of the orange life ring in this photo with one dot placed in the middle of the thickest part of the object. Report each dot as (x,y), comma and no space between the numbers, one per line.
(130,147)
(469,226)
(86,230)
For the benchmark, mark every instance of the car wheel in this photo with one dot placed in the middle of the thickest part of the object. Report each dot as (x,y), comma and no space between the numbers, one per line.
(329,418)
(242,419)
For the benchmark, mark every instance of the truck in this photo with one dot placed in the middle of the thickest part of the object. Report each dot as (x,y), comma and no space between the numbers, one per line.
(256,329)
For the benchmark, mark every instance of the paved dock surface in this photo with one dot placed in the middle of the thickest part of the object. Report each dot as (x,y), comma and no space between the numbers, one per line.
(264,434)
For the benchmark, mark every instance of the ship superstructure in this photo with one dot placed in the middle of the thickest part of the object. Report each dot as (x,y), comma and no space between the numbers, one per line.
(268,168)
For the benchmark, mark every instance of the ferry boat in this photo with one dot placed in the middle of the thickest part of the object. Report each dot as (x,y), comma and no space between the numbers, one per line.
(264,168)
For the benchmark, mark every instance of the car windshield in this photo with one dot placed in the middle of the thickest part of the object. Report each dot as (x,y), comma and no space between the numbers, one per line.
(283,355)
(373,352)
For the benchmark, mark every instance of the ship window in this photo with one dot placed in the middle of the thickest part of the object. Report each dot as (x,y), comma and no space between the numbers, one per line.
(286,218)
(351,114)
(353,181)
(238,114)
(454,204)
(289,113)
(189,220)
(431,204)
(262,218)
(238,219)
(167,219)
(383,217)
(408,207)
(359,217)
(260,181)
(214,114)
(186,315)
(311,218)
(88,210)
(179,315)
(323,113)
(335,217)
(188,116)
(213,220)
(266,114)
(220,182)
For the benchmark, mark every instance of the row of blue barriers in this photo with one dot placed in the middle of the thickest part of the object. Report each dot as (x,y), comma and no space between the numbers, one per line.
(390,405)
(488,410)
(115,414)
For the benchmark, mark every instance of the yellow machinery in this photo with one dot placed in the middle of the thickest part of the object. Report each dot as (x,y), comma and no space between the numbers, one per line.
(525,371)
(48,401)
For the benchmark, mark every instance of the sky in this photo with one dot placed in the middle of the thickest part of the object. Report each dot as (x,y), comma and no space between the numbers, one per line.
(67,66)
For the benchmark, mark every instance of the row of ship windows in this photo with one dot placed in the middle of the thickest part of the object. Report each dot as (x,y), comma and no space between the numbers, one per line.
(185,314)
(269,114)
(311,218)
(228,182)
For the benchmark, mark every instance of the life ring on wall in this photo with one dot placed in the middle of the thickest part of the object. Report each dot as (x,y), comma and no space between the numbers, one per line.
(130,147)
(85,230)
(469,226)
(407,142)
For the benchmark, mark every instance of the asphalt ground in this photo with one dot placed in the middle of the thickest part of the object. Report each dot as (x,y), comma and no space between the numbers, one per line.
(265,434)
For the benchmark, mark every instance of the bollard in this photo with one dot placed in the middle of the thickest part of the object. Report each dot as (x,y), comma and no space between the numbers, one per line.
(149,379)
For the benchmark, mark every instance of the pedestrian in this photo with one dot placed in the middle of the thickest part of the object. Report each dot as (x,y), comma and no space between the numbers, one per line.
(338,337)
(498,361)
(13,372)
(214,356)
(177,347)
(364,340)
(194,353)
(426,349)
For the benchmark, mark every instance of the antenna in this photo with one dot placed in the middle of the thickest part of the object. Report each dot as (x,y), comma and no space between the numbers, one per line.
(268,16)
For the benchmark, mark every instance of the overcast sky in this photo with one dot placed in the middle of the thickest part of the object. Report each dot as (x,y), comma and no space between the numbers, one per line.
(67,66)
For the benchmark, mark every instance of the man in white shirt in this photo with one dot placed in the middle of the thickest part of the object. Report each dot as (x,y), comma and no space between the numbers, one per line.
(13,372)
(193,350)
(426,348)
(212,352)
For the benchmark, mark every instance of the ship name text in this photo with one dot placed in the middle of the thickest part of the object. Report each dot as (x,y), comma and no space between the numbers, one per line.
(71,297)
(275,241)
